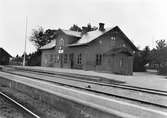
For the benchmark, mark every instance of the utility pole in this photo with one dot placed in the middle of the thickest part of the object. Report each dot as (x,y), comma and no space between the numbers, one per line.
(24,59)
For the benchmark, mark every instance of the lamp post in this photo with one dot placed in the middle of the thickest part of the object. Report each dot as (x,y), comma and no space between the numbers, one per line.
(24,59)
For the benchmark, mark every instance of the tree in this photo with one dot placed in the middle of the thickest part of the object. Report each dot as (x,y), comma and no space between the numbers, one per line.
(17,60)
(159,56)
(141,58)
(146,55)
(161,44)
(34,59)
(88,28)
(37,37)
(40,37)
(50,34)
(75,28)
(161,52)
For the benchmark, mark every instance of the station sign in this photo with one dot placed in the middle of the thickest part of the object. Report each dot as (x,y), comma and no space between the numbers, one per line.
(60,51)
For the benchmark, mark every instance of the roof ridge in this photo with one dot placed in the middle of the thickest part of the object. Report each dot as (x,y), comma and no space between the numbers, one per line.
(71,33)
(69,30)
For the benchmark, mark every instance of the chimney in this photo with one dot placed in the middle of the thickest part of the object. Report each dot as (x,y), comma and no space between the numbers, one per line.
(101,26)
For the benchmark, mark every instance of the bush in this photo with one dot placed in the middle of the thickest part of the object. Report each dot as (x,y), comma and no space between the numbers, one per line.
(162,70)
(34,59)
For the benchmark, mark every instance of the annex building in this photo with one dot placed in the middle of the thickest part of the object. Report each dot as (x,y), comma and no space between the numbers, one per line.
(105,49)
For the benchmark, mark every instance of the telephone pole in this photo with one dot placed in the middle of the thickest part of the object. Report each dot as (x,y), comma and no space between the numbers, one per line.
(24,59)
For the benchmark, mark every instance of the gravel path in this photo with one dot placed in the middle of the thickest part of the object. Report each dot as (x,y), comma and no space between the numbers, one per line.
(42,109)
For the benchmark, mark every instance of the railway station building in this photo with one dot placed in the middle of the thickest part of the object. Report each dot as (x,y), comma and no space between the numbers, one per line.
(105,49)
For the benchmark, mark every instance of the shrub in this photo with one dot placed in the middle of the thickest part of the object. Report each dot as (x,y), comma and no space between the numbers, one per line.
(162,70)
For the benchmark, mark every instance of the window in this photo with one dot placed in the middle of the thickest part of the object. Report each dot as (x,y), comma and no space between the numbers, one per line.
(79,59)
(55,59)
(61,42)
(58,58)
(121,62)
(51,58)
(65,58)
(98,59)
(46,58)
(113,38)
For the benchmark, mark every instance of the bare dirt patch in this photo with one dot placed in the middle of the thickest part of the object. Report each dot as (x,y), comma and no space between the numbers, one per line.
(42,109)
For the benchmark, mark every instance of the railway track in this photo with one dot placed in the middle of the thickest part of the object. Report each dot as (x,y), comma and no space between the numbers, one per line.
(111,83)
(17,105)
(88,84)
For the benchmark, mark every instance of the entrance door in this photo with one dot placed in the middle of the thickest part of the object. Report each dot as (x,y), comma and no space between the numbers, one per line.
(118,64)
(61,60)
(72,60)
(122,65)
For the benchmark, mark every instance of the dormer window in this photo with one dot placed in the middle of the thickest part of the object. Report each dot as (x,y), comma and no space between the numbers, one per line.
(61,42)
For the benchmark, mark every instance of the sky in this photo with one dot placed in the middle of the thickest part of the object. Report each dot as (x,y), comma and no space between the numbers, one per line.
(143,21)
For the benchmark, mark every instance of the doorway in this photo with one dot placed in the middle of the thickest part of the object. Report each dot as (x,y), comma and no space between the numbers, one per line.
(71,60)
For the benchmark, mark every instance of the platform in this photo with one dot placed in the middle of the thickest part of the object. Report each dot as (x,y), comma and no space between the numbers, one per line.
(139,79)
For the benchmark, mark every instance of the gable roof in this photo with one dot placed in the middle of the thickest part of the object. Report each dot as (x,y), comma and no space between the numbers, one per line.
(87,38)
(90,36)
(50,45)
(71,33)
(1,49)
(93,35)
(127,39)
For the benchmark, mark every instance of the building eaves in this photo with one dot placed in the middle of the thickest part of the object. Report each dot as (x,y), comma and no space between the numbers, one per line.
(50,45)
(72,33)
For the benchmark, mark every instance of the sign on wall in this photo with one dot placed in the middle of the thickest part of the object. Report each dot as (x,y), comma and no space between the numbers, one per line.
(60,51)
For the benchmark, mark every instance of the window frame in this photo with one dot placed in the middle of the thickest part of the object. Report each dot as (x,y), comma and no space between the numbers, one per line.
(79,59)
(51,58)
(65,58)
(99,59)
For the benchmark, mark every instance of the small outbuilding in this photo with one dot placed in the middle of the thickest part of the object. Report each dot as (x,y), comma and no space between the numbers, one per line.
(4,57)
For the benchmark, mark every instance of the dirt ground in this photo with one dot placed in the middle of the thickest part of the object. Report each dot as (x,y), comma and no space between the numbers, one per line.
(42,109)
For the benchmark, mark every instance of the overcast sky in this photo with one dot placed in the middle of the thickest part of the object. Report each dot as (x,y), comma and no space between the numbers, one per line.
(143,21)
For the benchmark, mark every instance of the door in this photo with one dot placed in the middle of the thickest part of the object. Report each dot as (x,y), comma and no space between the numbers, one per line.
(72,60)
(119,64)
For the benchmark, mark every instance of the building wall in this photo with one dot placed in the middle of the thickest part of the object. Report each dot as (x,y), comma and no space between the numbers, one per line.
(76,51)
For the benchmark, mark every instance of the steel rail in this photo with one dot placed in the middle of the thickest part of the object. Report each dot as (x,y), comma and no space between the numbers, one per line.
(18,104)
(91,81)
